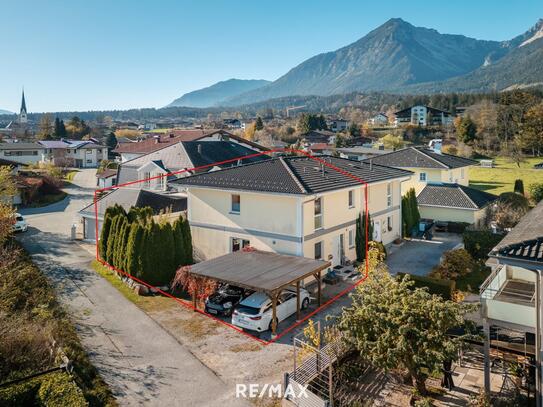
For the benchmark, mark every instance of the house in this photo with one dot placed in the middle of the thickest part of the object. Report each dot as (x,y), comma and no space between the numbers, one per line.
(511,295)
(318,136)
(380,119)
(129,151)
(360,153)
(231,123)
(74,153)
(441,182)
(127,198)
(106,178)
(322,149)
(337,125)
(292,205)
(23,153)
(422,115)
(180,155)
(17,199)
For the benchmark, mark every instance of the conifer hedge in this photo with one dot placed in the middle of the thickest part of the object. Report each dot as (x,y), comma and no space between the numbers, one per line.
(410,212)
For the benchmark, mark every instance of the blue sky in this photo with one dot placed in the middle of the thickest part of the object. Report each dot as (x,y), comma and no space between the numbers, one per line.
(118,54)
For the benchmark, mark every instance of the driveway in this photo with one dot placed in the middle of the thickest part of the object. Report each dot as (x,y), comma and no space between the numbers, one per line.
(421,256)
(143,364)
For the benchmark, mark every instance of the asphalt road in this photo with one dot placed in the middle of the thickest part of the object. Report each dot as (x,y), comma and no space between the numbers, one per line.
(142,363)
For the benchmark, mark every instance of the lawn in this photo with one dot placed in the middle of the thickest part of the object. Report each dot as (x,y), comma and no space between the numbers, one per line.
(502,177)
(47,200)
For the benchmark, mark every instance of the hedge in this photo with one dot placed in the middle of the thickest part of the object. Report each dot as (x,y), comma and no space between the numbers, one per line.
(457,227)
(444,288)
(478,243)
(50,390)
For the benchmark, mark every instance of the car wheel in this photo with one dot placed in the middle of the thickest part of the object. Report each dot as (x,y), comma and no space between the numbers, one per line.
(305,303)
(276,324)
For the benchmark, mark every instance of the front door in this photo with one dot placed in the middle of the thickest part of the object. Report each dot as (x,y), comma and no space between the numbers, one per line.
(339,251)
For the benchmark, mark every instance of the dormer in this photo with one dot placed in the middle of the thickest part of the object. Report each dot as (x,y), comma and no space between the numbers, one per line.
(153,175)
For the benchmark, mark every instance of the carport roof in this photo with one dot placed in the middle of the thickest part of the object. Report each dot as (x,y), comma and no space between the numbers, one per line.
(258,270)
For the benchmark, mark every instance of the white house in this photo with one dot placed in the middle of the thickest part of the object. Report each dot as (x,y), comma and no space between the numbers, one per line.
(380,119)
(75,153)
(24,153)
(292,205)
(421,115)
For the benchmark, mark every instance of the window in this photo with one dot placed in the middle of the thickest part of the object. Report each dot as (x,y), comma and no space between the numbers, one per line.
(88,152)
(422,177)
(238,244)
(389,194)
(146,182)
(389,223)
(89,161)
(351,199)
(318,213)
(318,251)
(351,239)
(160,183)
(236,204)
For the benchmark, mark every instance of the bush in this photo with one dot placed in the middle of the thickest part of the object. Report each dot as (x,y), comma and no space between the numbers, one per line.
(457,227)
(536,192)
(509,209)
(456,263)
(22,394)
(478,243)
(519,187)
(60,390)
(444,288)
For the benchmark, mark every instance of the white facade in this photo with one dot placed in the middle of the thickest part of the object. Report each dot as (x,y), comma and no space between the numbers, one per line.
(24,153)
(87,156)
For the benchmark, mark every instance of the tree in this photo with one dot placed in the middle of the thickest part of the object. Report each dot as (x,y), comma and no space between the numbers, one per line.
(536,192)
(187,243)
(466,130)
(112,237)
(201,288)
(8,189)
(361,236)
(111,141)
(392,142)
(394,325)
(519,187)
(354,130)
(510,207)
(60,129)
(249,133)
(134,250)
(104,235)
(410,212)
(45,128)
(532,129)
(456,263)
(259,125)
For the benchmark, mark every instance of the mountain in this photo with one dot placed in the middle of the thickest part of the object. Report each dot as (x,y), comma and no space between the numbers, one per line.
(2,111)
(218,93)
(389,57)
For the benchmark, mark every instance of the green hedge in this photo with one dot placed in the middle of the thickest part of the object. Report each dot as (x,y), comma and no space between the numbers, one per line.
(443,288)
(457,227)
(478,243)
(51,390)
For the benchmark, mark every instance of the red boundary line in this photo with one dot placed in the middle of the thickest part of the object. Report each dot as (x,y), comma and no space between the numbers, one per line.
(188,304)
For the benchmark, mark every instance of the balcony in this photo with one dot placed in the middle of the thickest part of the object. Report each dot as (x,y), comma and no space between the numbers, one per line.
(508,295)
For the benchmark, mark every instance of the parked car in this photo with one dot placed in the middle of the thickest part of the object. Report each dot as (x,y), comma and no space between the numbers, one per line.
(223,301)
(20,224)
(255,311)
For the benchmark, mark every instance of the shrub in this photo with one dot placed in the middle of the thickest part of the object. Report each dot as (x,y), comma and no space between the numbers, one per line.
(536,192)
(456,263)
(519,187)
(444,288)
(457,227)
(478,243)
(60,390)
(509,209)
(22,394)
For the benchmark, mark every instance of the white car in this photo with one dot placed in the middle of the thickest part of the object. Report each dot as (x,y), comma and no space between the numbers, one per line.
(255,311)
(20,224)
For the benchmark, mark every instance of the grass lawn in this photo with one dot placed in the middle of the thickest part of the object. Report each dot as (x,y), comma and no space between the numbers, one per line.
(48,200)
(502,177)
(70,175)
(146,303)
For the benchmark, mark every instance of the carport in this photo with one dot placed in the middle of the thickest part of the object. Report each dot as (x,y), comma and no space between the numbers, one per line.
(262,271)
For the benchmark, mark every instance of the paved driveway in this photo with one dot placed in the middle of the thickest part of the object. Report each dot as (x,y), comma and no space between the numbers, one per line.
(421,256)
(143,364)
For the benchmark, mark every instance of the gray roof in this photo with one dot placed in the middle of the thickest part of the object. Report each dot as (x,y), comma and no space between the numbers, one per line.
(362,150)
(128,197)
(21,146)
(454,196)
(420,157)
(258,270)
(295,175)
(524,241)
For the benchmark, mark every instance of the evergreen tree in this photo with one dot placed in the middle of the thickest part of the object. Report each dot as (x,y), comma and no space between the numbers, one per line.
(120,245)
(519,186)
(360,235)
(168,253)
(111,239)
(60,129)
(104,235)
(410,212)
(134,250)
(111,141)
(187,240)
(179,243)
(259,125)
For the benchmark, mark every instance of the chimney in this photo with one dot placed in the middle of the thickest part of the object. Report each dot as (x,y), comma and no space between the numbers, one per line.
(199,149)
(437,146)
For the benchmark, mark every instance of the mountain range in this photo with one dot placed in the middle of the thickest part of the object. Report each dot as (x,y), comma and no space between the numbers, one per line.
(218,93)
(401,58)
(2,111)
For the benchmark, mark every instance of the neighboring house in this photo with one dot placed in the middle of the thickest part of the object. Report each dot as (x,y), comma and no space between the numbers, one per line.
(337,125)
(106,178)
(74,153)
(322,149)
(128,197)
(17,199)
(380,119)
(23,153)
(318,136)
(292,205)
(360,153)
(129,151)
(232,123)
(421,115)
(174,157)
(511,295)
(428,166)
(454,203)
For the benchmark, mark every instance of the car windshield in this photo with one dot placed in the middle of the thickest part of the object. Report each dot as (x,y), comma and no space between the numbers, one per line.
(249,310)
(19,218)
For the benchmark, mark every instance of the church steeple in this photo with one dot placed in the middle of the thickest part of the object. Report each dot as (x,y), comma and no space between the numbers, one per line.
(22,114)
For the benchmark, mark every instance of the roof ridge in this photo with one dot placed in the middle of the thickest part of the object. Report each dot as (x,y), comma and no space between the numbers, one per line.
(293,176)
(430,157)
(466,195)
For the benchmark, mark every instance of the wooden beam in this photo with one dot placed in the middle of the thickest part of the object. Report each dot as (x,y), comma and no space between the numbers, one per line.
(298,300)
(274,314)
(319,299)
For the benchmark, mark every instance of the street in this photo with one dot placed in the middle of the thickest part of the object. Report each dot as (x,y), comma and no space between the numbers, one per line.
(142,363)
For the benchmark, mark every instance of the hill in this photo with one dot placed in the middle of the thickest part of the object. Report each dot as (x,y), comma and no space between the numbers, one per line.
(216,94)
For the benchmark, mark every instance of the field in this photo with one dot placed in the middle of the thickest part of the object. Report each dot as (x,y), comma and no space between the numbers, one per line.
(502,177)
